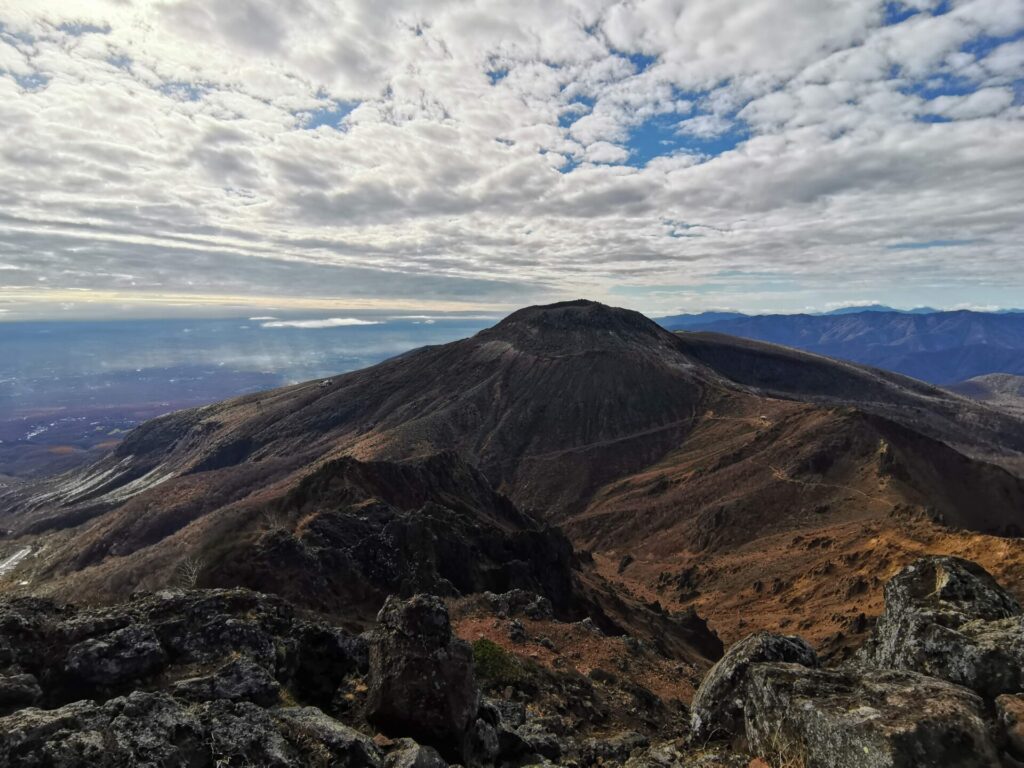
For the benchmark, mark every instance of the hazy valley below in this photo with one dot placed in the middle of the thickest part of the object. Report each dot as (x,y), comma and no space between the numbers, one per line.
(70,390)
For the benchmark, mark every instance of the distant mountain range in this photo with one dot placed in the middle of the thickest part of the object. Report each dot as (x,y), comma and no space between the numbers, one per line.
(937,347)
(879,308)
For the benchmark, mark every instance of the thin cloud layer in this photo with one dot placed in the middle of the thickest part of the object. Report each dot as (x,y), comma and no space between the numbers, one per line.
(656,153)
(329,322)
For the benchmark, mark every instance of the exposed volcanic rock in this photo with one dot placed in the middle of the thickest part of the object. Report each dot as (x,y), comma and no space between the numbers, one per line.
(156,729)
(422,681)
(354,532)
(863,715)
(717,708)
(249,643)
(243,680)
(948,618)
(864,719)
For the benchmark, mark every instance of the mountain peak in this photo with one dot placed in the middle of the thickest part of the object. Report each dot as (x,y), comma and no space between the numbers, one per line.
(581,324)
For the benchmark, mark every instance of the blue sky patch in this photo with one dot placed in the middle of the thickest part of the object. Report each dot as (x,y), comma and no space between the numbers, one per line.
(578,107)
(660,136)
(121,61)
(34,82)
(182,91)
(641,61)
(983,45)
(330,115)
(897,12)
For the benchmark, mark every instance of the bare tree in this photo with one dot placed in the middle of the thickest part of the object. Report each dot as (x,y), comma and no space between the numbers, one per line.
(188,571)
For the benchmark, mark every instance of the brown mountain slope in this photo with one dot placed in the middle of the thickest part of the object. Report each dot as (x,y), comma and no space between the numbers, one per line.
(667,448)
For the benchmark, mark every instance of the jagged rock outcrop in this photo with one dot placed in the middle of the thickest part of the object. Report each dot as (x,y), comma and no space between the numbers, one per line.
(717,708)
(156,729)
(920,695)
(229,644)
(422,682)
(948,618)
(858,718)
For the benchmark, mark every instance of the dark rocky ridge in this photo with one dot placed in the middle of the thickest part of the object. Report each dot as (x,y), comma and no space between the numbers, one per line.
(232,677)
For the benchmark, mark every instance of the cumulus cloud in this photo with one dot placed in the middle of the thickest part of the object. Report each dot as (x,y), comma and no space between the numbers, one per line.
(744,151)
(330,322)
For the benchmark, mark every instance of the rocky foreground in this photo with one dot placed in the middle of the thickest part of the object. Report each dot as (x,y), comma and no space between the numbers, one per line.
(236,678)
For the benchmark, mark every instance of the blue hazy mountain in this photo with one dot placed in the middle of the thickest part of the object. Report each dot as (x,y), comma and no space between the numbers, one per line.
(856,310)
(937,347)
(698,320)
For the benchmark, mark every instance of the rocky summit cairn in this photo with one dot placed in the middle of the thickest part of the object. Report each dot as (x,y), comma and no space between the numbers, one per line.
(948,618)
(422,682)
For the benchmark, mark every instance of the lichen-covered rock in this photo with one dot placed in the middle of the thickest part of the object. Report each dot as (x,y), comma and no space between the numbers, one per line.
(408,754)
(99,653)
(156,729)
(864,718)
(421,683)
(717,708)
(241,679)
(130,653)
(519,602)
(17,691)
(542,741)
(339,744)
(617,748)
(948,618)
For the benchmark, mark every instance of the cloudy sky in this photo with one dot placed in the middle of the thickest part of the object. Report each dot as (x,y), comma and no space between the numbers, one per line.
(198,155)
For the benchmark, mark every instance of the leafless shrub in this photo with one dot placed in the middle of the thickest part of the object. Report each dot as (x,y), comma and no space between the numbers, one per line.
(188,572)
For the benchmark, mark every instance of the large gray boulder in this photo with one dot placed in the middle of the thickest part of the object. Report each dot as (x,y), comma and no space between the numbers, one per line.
(422,683)
(717,708)
(240,679)
(127,654)
(408,754)
(947,617)
(863,718)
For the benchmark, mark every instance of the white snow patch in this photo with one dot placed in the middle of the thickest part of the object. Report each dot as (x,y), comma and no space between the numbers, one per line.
(11,562)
